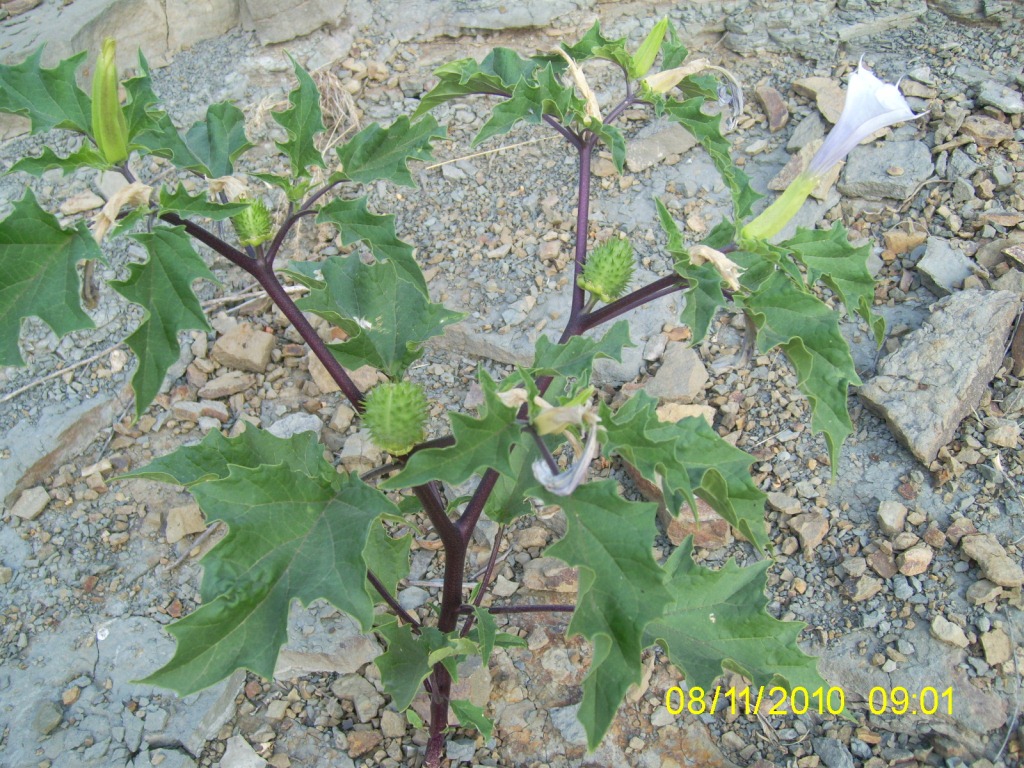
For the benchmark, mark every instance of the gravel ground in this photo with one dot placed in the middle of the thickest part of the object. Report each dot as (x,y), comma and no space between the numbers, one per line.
(100,565)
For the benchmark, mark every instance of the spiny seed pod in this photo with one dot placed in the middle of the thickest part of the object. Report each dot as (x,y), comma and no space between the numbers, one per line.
(109,127)
(396,415)
(254,225)
(609,270)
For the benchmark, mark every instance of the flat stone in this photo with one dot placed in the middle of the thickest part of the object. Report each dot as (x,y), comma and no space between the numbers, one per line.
(549,574)
(811,528)
(983,591)
(359,453)
(883,563)
(392,724)
(361,692)
(323,380)
(944,630)
(227,384)
(31,503)
(708,528)
(675,412)
(833,752)
(784,503)
(891,169)
(774,107)
(811,128)
(891,517)
(239,754)
(828,95)
(988,553)
(986,131)
(80,203)
(652,146)
(244,348)
(914,561)
(943,268)
(997,646)
(1006,100)
(296,423)
(861,589)
(342,418)
(680,378)
(183,521)
(939,374)
(363,742)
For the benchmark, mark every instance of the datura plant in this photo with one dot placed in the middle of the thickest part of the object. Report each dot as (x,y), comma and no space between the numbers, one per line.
(301,529)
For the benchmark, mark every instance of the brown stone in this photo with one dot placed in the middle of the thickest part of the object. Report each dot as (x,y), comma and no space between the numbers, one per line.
(988,553)
(244,348)
(986,131)
(997,646)
(915,560)
(183,521)
(774,107)
(227,384)
(363,742)
(864,588)
(708,528)
(811,528)
(549,574)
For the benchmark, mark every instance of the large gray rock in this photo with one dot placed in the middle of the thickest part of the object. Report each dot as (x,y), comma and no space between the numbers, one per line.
(892,169)
(926,388)
(974,10)
(276,21)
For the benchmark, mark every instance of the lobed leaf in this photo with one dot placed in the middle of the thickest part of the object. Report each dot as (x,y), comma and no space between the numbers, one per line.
(496,75)
(291,536)
(594,45)
(386,317)
(687,457)
(181,202)
(802,326)
(162,286)
(483,443)
(356,224)
(470,715)
(717,622)
(575,358)
(303,121)
(86,156)
(704,295)
(705,128)
(621,590)
(218,140)
(543,93)
(383,153)
(49,98)
(38,275)
(828,255)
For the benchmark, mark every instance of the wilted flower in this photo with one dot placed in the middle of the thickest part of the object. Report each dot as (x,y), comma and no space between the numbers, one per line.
(564,483)
(871,105)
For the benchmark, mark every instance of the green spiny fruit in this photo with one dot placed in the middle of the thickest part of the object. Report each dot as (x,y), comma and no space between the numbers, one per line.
(608,270)
(254,225)
(396,415)
(109,126)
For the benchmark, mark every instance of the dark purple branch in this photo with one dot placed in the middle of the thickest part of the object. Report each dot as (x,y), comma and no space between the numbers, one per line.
(467,522)
(390,600)
(570,135)
(663,286)
(485,580)
(549,458)
(586,150)
(433,505)
(275,244)
(209,239)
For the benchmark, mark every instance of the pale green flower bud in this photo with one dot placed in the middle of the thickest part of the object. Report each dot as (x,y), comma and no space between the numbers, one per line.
(254,225)
(608,270)
(109,126)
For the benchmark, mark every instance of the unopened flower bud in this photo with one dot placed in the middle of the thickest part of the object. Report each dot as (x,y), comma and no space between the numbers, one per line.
(109,126)
(254,225)
(608,270)
(396,415)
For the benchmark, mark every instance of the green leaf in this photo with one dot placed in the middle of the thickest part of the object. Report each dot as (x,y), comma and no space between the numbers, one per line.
(385,315)
(803,327)
(403,666)
(497,74)
(575,358)
(388,558)
(472,716)
(181,202)
(486,629)
(705,128)
(828,255)
(49,98)
(686,458)
(218,140)
(213,458)
(530,101)
(303,120)
(511,496)
(37,274)
(163,287)
(85,156)
(673,52)
(480,444)
(383,153)
(718,623)
(704,295)
(621,590)
(291,537)
(614,140)
(594,45)
(356,224)
(139,109)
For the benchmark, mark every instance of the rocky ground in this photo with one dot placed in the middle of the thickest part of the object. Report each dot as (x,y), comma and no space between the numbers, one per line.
(907,568)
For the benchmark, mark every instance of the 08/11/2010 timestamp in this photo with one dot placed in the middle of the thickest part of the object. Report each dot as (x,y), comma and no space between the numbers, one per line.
(777,700)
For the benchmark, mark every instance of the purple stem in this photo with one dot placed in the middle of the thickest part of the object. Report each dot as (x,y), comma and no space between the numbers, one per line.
(499,609)
(663,286)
